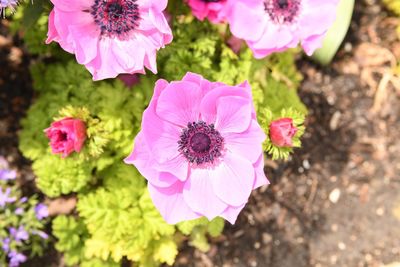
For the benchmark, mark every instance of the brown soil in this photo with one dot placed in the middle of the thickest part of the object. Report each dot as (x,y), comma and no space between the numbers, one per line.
(336,201)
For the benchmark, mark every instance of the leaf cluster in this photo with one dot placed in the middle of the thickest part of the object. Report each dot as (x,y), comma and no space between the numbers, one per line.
(110,110)
(393,5)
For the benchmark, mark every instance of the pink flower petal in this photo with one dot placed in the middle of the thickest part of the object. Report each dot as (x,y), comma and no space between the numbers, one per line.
(170,203)
(204,84)
(161,136)
(312,43)
(193,77)
(179,103)
(261,179)
(86,47)
(100,66)
(274,37)
(74,26)
(233,179)
(160,85)
(245,17)
(317,18)
(246,144)
(158,4)
(272,30)
(179,166)
(199,194)
(209,102)
(129,59)
(160,22)
(141,158)
(72,5)
(231,213)
(233,114)
(214,11)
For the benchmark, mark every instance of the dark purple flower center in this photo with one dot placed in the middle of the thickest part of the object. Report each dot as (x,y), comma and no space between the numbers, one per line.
(200,143)
(62,136)
(282,11)
(115,18)
(283,4)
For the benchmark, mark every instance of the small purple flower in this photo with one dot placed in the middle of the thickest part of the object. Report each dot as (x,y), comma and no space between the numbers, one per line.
(7,4)
(41,234)
(16,258)
(19,234)
(19,211)
(41,211)
(5,244)
(5,197)
(23,200)
(6,175)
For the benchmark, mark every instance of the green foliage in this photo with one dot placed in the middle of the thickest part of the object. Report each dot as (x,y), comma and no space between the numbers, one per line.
(71,235)
(30,21)
(198,47)
(112,115)
(215,227)
(275,80)
(122,220)
(57,176)
(198,230)
(194,48)
(275,85)
(393,5)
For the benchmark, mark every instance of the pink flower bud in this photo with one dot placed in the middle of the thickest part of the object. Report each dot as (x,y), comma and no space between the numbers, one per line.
(129,79)
(235,44)
(66,136)
(282,131)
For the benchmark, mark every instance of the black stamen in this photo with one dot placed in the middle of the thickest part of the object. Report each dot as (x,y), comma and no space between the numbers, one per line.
(115,18)
(200,143)
(282,11)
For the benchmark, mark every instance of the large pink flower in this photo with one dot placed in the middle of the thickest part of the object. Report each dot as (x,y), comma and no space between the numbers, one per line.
(275,25)
(111,37)
(214,10)
(200,149)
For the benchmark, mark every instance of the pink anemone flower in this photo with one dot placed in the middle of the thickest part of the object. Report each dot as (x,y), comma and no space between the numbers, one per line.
(200,148)
(213,10)
(270,26)
(111,37)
